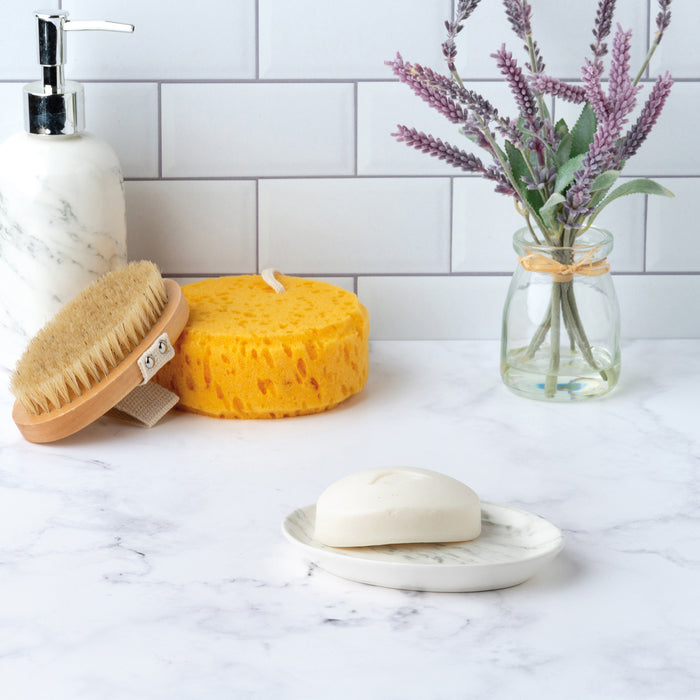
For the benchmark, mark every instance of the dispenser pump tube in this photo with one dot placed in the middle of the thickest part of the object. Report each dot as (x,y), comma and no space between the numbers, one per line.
(54,106)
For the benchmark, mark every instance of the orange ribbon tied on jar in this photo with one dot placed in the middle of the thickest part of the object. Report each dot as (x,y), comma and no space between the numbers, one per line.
(560,272)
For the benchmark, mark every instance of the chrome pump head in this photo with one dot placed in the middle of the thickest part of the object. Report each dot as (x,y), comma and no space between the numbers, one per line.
(55,106)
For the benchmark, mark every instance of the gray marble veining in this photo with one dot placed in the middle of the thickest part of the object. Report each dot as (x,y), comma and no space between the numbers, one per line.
(149,563)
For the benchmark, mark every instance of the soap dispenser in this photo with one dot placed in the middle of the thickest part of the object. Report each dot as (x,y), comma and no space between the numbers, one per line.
(62,210)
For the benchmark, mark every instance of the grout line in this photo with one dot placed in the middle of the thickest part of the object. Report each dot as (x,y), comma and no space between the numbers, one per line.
(356,125)
(252,176)
(257,40)
(159,116)
(444,275)
(288,81)
(450,219)
(648,37)
(257,225)
(645,234)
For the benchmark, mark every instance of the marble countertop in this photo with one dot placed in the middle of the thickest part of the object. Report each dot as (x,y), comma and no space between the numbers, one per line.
(149,564)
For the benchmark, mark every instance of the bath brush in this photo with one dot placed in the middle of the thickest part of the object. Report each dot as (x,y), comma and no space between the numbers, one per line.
(99,348)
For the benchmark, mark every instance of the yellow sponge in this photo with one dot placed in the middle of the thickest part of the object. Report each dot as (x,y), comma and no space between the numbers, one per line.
(249,352)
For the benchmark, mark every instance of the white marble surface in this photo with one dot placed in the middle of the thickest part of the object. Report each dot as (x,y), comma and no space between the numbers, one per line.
(150,564)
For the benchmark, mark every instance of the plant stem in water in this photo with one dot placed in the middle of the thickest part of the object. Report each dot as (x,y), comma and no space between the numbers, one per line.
(540,334)
(550,383)
(581,337)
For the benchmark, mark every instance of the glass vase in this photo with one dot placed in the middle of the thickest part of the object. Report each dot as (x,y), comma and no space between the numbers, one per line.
(561,321)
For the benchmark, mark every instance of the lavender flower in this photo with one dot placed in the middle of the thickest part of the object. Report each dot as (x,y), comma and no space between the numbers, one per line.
(439,149)
(612,116)
(663,19)
(558,88)
(449,47)
(591,72)
(537,156)
(603,24)
(519,86)
(442,94)
(649,115)
(519,14)
(543,177)
(622,93)
(503,185)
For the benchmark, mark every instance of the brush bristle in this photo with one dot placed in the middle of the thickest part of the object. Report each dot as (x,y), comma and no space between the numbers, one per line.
(88,337)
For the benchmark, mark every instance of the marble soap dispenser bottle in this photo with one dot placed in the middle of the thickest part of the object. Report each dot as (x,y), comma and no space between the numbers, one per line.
(62,211)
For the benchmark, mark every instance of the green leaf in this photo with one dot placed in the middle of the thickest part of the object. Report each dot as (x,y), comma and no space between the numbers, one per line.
(561,129)
(566,172)
(518,166)
(583,131)
(639,186)
(564,150)
(553,201)
(605,180)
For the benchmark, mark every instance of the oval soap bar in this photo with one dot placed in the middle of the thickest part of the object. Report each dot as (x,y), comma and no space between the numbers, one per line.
(396,505)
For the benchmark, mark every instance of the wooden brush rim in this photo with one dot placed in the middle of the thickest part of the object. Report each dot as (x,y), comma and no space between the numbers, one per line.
(103,396)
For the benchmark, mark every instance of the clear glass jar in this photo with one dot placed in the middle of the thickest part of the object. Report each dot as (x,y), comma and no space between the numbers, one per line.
(561,322)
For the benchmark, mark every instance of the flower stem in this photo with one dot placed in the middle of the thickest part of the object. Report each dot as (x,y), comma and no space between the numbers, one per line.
(550,382)
(640,75)
(540,334)
(581,338)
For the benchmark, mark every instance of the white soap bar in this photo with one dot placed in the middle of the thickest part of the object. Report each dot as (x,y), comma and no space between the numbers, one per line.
(396,505)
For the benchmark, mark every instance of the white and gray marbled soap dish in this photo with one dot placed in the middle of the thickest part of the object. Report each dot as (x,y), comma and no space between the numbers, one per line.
(512,547)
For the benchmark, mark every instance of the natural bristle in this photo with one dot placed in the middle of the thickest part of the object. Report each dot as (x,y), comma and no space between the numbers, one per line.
(88,337)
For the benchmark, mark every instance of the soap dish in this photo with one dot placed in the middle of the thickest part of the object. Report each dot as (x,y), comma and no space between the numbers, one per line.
(514,544)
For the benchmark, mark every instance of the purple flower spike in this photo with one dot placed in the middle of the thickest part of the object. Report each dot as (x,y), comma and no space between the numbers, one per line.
(621,93)
(518,85)
(662,19)
(462,12)
(603,25)
(591,72)
(439,149)
(519,14)
(558,88)
(637,134)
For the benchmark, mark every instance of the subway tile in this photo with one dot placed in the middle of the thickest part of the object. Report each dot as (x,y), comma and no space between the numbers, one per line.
(123,114)
(174,40)
(672,228)
(665,152)
(625,219)
(483,224)
(668,149)
(434,307)
(484,221)
(11,117)
(678,50)
(348,40)
(659,306)
(562,31)
(126,116)
(381,106)
(347,283)
(194,227)
(348,226)
(270,129)
(18,48)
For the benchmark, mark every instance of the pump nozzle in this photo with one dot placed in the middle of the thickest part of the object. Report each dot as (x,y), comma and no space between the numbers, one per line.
(55,106)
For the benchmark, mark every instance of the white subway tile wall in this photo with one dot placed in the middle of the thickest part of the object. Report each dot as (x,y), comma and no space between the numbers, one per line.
(257,133)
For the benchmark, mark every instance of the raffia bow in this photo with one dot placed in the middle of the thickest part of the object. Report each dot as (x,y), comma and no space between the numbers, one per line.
(536,262)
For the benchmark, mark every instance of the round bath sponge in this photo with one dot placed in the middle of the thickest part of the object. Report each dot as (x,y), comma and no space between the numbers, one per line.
(250,352)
